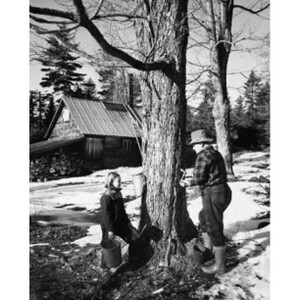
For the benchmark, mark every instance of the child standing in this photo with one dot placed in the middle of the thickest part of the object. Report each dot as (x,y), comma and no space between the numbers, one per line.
(114,219)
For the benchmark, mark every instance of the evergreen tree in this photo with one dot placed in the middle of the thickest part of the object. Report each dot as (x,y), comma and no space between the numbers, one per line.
(50,109)
(60,64)
(251,115)
(89,89)
(107,81)
(263,114)
(252,89)
(238,112)
(37,108)
(41,107)
(32,104)
(78,91)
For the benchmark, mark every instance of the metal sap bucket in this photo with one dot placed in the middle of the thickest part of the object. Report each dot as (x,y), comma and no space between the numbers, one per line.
(138,182)
(111,250)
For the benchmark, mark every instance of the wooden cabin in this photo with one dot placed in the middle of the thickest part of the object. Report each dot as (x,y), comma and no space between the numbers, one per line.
(102,134)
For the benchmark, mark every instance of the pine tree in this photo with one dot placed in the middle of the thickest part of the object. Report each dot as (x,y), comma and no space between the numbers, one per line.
(37,108)
(50,109)
(252,89)
(238,112)
(107,82)
(263,114)
(32,104)
(251,115)
(78,91)
(89,89)
(60,64)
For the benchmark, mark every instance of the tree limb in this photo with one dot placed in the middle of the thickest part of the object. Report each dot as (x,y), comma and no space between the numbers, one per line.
(98,9)
(83,20)
(41,30)
(53,13)
(126,16)
(41,20)
(97,35)
(250,10)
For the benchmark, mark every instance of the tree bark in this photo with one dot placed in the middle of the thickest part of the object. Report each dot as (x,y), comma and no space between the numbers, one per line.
(164,121)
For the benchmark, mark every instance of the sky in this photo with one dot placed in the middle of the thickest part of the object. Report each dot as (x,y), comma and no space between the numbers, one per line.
(239,66)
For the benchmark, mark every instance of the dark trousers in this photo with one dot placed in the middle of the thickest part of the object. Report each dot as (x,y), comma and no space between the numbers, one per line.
(215,200)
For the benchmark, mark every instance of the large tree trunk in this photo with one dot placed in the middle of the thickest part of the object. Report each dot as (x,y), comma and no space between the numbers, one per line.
(164,123)
(221,111)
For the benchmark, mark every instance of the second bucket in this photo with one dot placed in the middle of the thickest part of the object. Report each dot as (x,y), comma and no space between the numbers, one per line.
(111,250)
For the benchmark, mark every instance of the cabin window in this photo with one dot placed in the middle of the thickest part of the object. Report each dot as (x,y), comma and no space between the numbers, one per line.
(127,144)
(66,115)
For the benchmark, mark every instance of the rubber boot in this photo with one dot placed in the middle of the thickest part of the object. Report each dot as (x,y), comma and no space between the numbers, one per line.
(219,266)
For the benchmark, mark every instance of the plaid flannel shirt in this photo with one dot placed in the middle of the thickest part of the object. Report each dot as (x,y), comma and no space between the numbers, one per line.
(209,168)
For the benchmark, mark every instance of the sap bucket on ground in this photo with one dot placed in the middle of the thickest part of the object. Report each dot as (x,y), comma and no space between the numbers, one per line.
(111,250)
(138,181)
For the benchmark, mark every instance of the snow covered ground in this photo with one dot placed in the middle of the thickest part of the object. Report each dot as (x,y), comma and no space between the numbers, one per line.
(249,280)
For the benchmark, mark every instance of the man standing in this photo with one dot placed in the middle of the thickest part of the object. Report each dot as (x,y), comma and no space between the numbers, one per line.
(210,174)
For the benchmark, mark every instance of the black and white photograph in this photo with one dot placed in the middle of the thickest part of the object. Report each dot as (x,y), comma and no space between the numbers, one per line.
(148,130)
(149,149)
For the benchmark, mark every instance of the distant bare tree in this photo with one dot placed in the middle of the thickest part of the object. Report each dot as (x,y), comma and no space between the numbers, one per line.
(215,17)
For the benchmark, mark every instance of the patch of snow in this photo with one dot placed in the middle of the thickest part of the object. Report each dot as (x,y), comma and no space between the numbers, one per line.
(94,236)
(249,280)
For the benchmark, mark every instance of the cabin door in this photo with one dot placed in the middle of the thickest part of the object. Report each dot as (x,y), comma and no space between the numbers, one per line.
(94,149)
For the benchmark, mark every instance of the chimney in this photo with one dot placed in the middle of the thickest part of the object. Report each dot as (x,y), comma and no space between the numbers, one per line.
(130,100)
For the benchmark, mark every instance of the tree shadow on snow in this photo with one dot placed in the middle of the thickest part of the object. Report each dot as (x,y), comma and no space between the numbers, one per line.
(252,246)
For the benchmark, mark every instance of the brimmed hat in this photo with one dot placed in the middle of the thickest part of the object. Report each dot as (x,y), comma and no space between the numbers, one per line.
(199,136)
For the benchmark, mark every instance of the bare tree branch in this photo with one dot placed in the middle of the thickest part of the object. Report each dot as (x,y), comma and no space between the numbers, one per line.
(98,9)
(200,22)
(198,76)
(84,21)
(41,30)
(41,20)
(53,13)
(97,35)
(118,15)
(250,10)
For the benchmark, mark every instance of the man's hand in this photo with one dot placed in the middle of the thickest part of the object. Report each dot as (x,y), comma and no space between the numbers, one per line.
(111,235)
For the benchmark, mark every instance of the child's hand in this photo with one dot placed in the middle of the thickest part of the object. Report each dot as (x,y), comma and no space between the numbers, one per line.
(111,235)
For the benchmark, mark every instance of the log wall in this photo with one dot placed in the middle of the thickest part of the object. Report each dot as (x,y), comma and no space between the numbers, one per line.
(65,126)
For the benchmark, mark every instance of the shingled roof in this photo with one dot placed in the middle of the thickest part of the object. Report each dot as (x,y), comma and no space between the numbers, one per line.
(95,117)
